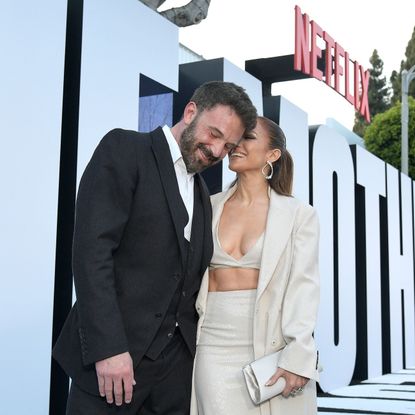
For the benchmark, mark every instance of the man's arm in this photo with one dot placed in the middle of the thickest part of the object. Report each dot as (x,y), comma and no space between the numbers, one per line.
(103,207)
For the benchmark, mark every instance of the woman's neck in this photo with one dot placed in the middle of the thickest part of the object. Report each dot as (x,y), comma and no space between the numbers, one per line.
(251,189)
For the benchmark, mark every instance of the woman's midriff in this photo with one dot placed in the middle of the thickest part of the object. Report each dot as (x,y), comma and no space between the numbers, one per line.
(232,279)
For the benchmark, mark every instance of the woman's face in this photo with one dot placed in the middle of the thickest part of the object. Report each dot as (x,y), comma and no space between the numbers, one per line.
(253,151)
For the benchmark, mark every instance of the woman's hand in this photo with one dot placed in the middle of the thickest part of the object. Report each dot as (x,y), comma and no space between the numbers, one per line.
(293,383)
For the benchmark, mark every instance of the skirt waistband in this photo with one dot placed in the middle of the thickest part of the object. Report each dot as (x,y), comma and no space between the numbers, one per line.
(233,293)
(228,321)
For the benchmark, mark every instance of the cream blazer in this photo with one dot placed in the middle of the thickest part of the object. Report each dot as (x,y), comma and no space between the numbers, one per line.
(287,296)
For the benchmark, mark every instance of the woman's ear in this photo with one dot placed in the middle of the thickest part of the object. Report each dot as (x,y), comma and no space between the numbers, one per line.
(190,112)
(274,155)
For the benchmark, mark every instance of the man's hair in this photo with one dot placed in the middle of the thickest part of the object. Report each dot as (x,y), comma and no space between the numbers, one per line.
(213,93)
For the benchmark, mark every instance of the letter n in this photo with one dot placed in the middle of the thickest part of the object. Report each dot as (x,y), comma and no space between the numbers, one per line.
(302,51)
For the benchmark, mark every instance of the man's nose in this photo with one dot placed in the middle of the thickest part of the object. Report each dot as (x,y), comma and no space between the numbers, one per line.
(218,150)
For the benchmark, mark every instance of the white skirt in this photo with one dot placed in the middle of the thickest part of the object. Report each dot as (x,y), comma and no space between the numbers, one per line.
(224,347)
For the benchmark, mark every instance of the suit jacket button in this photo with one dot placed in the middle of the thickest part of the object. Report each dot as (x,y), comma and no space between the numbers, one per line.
(158,315)
(184,293)
(170,335)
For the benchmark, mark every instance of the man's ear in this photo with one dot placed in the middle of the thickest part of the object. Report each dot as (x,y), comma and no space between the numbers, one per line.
(190,112)
(274,155)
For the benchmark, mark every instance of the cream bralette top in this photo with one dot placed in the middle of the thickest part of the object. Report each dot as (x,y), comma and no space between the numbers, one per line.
(221,259)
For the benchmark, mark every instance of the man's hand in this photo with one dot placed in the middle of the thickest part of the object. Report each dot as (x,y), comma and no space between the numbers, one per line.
(115,376)
(293,383)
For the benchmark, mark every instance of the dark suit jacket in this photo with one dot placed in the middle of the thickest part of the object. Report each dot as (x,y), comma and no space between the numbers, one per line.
(128,253)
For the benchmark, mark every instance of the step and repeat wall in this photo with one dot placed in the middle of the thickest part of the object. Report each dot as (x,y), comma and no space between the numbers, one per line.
(73,70)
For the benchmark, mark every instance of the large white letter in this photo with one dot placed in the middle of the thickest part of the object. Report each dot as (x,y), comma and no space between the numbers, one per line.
(294,123)
(32,47)
(370,174)
(333,197)
(121,40)
(401,269)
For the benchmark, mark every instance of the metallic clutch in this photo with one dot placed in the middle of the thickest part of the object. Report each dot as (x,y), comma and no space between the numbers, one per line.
(257,373)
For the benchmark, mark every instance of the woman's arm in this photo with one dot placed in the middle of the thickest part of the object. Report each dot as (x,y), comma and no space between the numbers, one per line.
(298,360)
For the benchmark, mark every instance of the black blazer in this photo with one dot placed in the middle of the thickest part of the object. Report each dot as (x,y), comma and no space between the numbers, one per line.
(128,252)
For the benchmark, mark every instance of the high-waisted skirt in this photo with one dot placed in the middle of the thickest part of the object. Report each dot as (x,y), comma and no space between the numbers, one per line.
(225,346)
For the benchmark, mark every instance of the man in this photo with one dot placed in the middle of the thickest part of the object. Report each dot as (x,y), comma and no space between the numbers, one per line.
(142,241)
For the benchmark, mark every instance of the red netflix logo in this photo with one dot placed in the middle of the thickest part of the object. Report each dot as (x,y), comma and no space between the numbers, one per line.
(307,53)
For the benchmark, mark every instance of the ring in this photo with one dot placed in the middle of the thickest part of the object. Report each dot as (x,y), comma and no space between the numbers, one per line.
(295,391)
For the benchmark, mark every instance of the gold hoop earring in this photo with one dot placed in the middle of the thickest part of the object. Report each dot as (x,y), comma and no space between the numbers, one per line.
(268,176)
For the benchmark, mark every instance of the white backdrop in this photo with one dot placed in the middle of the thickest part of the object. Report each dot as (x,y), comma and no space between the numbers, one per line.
(32,46)
(122,40)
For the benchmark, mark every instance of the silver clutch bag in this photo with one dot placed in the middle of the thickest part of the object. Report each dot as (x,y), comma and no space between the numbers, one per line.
(257,373)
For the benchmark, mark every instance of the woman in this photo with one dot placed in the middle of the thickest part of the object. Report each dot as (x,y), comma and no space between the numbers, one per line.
(261,291)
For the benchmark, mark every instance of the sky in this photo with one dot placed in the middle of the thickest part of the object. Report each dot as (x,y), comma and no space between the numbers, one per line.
(240,30)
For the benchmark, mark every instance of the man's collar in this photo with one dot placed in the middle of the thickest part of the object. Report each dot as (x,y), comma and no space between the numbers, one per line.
(175,152)
(173,145)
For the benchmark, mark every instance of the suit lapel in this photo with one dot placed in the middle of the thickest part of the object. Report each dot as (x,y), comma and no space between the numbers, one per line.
(171,188)
(207,222)
(218,203)
(278,230)
(217,209)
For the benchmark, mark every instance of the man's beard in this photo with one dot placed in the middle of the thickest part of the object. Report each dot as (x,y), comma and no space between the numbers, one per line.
(189,146)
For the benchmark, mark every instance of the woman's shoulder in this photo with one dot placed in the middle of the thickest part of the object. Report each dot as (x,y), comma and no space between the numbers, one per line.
(300,208)
(291,201)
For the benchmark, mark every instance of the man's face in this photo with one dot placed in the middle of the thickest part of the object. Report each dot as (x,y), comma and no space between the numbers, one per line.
(209,136)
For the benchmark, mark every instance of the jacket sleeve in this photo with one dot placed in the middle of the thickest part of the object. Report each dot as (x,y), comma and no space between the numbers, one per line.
(103,205)
(301,300)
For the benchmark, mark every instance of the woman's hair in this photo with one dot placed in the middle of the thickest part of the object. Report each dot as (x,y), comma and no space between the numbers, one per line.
(282,179)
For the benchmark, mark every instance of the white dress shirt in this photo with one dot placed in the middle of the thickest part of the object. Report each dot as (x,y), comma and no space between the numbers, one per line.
(185,180)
